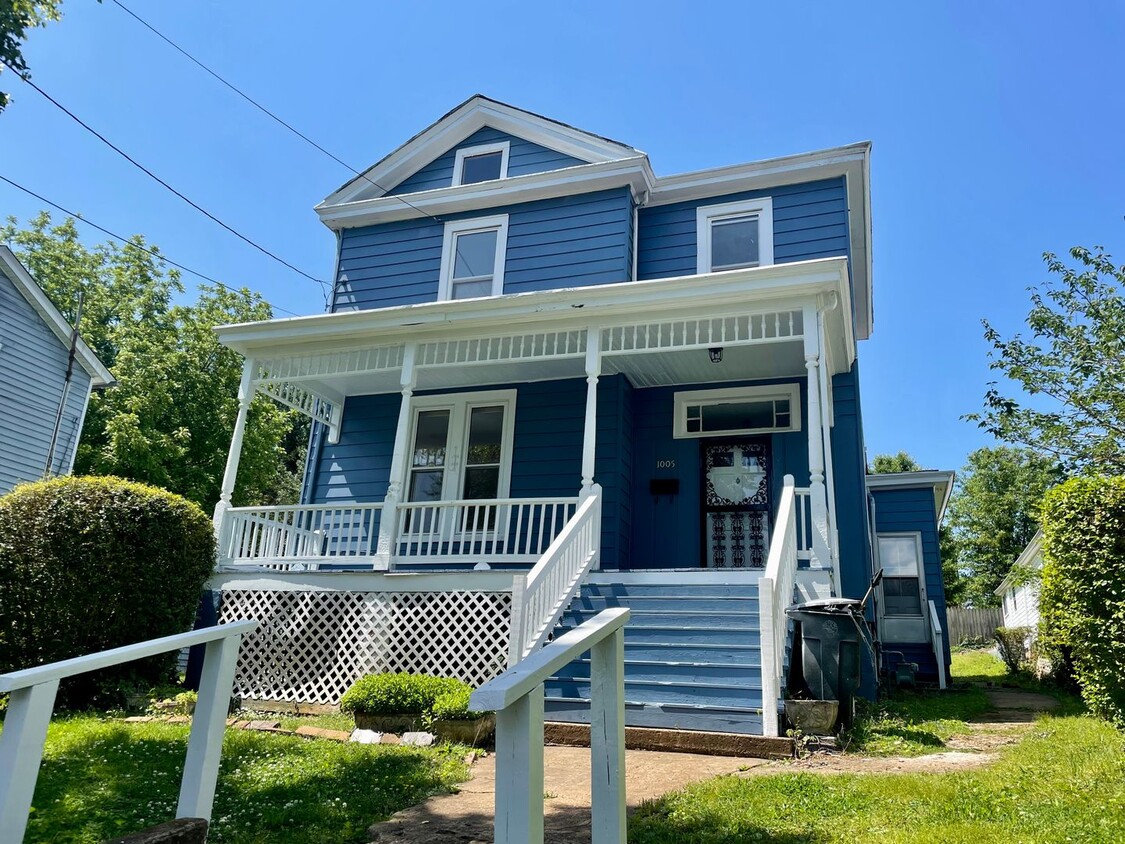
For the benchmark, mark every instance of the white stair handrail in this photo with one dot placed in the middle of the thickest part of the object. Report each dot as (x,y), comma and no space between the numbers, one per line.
(937,640)
(775,595)
(32,701)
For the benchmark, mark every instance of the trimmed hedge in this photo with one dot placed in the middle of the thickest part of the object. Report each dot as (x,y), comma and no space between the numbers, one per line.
(91,563)
(1082,601)
(398,694)
(454,706)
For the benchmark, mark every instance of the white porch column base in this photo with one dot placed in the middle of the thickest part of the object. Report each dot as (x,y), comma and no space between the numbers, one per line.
(590,429)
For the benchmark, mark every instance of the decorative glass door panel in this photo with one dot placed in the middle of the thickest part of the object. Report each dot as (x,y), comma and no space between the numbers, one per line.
(736,504)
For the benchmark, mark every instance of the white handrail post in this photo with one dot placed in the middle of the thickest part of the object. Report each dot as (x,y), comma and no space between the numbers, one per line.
(519,770)
(607,739)
(516,634)
(21,752)
(205,744)
(770,691)
(938,641)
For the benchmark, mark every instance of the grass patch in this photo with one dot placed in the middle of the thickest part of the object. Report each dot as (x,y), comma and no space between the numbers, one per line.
(104,778)
(977,666)
(1040,791)
(907,723)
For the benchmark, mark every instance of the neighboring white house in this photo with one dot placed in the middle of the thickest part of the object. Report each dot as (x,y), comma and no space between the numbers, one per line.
(1020,597)
(46,375)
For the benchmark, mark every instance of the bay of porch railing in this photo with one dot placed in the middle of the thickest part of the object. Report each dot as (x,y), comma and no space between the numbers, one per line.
(283,536)
(803,503)
(775,594)
(538,600)
(502,529)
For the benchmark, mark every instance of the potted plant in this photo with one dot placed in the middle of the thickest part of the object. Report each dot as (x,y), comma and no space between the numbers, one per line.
(454,721)
(394,703)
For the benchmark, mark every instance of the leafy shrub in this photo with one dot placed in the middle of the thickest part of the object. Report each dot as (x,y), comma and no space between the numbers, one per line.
(397,694)
(1082,601)
(88,564)
(1012,644)
(454,706)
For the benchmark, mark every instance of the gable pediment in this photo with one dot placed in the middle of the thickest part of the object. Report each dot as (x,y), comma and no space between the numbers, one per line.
(425,162)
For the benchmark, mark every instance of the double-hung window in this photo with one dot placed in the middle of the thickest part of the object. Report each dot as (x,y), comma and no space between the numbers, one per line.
(483,163)
(734,235)
(473,258)
(900,556)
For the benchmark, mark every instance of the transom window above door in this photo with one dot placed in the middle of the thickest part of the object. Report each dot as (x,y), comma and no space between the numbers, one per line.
(734,235)
(473,258)
(738,410)
(483,163)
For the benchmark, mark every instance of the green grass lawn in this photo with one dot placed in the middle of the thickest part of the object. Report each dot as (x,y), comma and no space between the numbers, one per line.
(103,778)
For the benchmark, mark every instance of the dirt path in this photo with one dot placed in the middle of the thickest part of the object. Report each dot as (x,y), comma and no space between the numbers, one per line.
(466,817)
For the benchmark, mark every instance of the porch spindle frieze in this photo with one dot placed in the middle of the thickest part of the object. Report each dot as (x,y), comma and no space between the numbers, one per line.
(542,345)
(744,329)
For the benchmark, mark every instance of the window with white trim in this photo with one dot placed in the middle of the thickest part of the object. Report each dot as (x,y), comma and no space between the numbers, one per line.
(734,235)
(472,262)
(900,556)
(738,410)
(483,163)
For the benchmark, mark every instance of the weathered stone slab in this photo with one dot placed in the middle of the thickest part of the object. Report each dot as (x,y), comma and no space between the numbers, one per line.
(318,732)
(418,739)
(179,831)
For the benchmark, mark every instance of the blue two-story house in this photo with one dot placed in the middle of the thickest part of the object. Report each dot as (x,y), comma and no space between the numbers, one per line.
(541,359)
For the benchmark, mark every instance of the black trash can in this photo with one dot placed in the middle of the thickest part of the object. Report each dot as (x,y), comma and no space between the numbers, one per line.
(825,661)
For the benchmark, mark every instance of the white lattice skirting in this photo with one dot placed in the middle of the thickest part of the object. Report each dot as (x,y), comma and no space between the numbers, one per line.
(310,646)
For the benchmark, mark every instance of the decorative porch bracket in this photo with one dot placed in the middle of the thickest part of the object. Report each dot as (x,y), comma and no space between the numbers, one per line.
(319,405)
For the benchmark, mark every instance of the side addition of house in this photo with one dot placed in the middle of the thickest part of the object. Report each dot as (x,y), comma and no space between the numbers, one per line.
(546,368)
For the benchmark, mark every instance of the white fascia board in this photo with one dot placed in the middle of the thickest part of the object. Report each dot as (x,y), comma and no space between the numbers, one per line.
(469,117)
(568,181)
(940,480)
(100,376)
(578,307)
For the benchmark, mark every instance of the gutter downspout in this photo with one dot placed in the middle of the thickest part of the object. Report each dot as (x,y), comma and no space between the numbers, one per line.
(47,470)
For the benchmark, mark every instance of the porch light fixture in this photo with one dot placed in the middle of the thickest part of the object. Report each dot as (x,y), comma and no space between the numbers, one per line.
(716,354)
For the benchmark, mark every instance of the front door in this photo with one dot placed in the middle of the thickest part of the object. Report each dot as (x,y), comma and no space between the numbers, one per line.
(736,503)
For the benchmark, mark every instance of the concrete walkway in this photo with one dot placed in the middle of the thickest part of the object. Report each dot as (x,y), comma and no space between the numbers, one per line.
(466,817)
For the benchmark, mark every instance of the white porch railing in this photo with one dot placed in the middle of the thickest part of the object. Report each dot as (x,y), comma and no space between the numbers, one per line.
(32,701)
(936,639)
(510,529)
(803,502)
(517,698)
(538,600)
(775,594)
(302,535)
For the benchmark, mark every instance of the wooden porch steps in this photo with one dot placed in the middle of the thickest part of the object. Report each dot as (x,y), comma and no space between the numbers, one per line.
(692,656)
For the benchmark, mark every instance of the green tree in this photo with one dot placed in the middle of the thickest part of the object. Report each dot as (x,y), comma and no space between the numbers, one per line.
(1069,368)
(886,464)
(993,514)
(169,420)
(16,18)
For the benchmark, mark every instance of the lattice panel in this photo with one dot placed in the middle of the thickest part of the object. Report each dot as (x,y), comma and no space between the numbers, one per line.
(310,646)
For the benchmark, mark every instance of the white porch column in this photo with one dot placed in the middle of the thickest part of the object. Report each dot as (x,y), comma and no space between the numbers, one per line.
(590,430)
(388,520)
(818,502)
(246,391)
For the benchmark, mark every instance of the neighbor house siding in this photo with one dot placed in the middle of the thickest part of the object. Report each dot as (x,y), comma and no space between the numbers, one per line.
(32,370)
(909,511)
(1021,606)
(574,241)
(524,157)
(809,221)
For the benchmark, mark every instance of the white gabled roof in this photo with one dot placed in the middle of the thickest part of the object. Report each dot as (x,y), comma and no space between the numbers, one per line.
(33,293)
(472,115)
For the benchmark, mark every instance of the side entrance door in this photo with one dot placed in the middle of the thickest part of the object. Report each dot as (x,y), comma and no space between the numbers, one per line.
(736,503)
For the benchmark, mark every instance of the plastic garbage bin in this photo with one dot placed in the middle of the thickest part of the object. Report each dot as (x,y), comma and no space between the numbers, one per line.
(824,664)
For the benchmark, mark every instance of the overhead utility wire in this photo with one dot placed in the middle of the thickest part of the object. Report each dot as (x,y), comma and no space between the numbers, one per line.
(263,109)
(131,243)
(156,178)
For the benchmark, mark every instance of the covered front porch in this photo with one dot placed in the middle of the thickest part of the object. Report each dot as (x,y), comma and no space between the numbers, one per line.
(469,434)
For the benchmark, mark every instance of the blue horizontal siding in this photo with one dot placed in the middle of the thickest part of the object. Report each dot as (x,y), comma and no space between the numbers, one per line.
(574,241)
(524,157)
(809,221)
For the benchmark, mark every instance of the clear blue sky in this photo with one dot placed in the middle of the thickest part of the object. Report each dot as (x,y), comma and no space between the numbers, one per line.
(997,131)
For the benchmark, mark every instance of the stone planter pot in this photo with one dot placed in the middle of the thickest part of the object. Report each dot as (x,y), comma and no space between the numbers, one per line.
(813,717)
(472,732)
(397,724)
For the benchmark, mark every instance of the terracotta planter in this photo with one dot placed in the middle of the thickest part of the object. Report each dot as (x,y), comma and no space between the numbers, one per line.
(813,717)
(397,724)
(473,732)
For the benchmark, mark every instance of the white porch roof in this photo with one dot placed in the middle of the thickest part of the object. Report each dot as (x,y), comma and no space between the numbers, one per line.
(651,331)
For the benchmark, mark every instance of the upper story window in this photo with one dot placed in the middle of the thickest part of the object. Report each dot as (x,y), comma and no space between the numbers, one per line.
(734,235)
(472,262)
(482,163)
(738,410)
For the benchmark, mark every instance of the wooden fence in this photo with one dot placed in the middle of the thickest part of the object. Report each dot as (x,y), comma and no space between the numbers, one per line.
(973,624)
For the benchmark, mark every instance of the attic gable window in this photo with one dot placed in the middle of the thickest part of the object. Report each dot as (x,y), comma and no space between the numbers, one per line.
(484,163)
(472,262)
(734,235)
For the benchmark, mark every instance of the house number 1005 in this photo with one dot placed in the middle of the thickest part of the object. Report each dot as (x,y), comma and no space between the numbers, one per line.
(665,464)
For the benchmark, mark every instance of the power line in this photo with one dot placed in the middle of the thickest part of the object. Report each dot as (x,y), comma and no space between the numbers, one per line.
(157,179)
(134,245)
(263,109)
